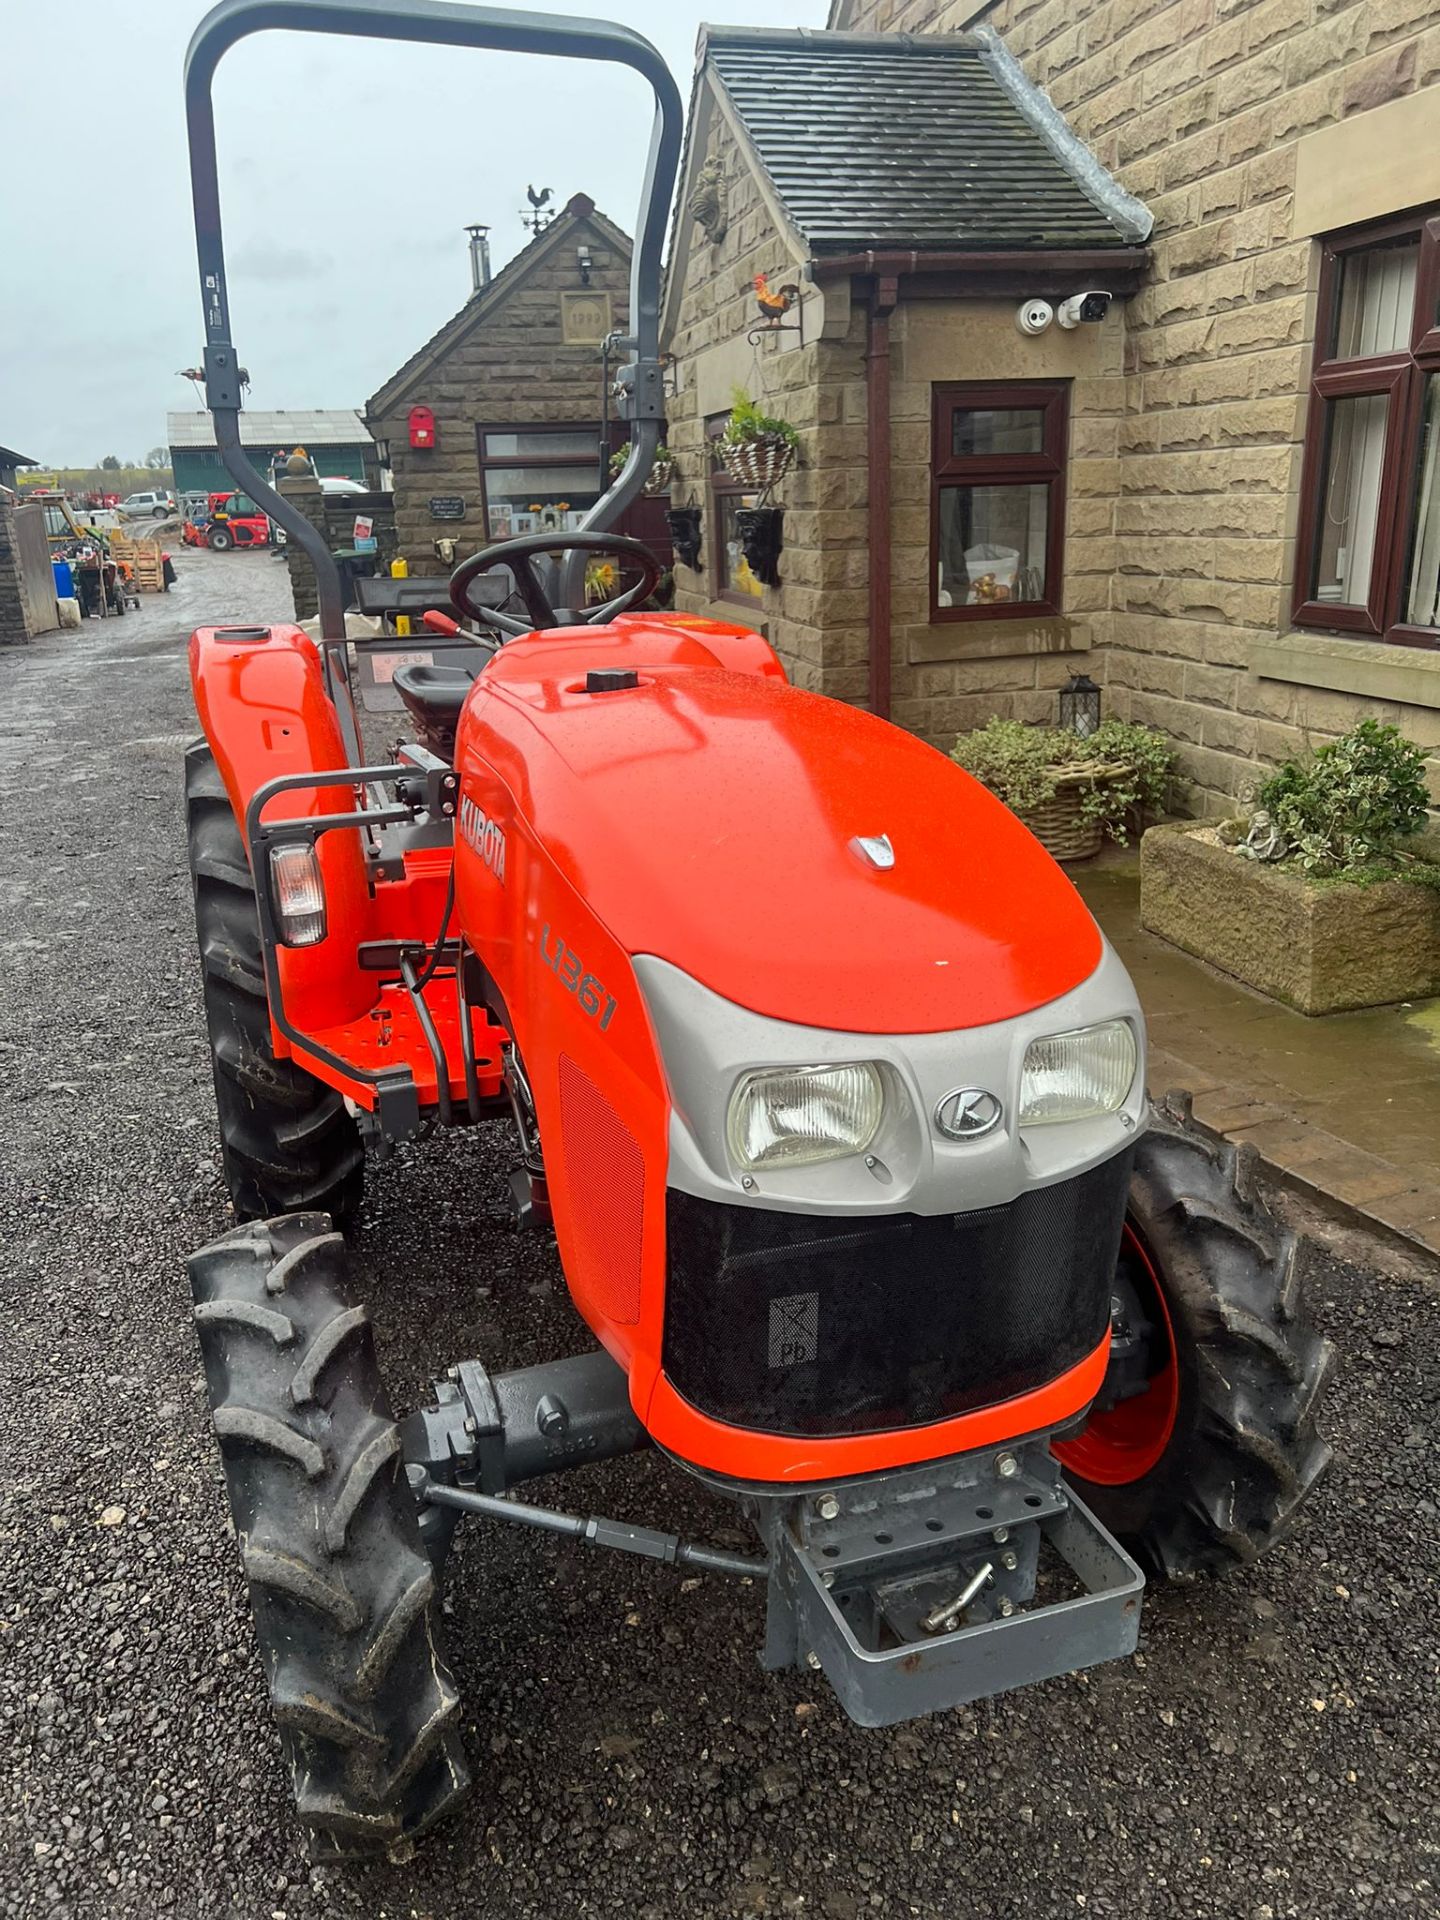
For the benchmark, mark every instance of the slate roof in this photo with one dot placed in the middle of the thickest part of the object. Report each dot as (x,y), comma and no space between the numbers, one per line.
(298,426)
(934,141)
(10,458)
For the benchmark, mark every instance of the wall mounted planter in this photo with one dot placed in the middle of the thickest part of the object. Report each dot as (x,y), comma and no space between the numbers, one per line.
(758,530)
(684,524)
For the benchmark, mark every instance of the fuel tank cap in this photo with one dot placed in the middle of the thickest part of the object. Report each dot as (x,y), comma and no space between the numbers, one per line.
(611,679)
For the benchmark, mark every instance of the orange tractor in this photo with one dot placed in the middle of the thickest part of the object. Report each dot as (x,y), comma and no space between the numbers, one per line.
(828,1086)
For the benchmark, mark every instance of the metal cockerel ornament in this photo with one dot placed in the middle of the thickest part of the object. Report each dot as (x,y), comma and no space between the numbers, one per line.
(773,304)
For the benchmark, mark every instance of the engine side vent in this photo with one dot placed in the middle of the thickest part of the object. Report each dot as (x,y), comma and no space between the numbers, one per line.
(605,1175)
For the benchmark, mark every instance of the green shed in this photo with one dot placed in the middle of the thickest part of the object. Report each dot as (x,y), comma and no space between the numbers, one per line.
(335,438)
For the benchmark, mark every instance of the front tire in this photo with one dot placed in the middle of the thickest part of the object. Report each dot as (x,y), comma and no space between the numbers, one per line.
(286,1139)
(1208,1467)
(220,540)
(344,1598)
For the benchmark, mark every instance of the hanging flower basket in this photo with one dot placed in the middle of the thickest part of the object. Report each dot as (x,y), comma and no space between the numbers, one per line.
(759,464)
(756,448)
(661,474)
(662,470)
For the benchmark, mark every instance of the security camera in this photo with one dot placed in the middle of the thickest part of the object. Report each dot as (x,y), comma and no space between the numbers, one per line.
(1083,306)
(1033,316)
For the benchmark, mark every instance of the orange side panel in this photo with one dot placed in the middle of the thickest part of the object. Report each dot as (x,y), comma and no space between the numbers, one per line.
(605,1172)
(261,698)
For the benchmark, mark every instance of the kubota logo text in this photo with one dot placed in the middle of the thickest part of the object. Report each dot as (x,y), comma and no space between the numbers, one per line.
(481,832)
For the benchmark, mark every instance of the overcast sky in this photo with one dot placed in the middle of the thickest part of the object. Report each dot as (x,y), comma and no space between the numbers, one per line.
(347,170)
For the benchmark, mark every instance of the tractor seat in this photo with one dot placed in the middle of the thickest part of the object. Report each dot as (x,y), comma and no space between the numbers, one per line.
(433,698)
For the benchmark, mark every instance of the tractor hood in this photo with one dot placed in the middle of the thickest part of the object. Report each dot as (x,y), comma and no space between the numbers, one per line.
(795,855)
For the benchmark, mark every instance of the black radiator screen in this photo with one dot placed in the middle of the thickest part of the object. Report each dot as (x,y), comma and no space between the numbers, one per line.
(806,1324)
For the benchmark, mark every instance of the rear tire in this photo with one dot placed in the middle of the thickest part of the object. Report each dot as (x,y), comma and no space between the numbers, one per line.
(1242,1451)
(286,1139)
(344,1598)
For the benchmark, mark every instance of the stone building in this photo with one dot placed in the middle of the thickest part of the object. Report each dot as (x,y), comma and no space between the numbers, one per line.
(1241,455)
(510,400)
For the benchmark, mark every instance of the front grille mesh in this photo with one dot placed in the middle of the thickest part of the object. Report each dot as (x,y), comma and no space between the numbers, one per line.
(810,1325)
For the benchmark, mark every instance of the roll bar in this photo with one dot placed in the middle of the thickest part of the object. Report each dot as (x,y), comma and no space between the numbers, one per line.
(430,23)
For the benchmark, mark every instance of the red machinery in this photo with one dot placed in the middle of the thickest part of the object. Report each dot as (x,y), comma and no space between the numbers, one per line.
(230,520)
(825,1079)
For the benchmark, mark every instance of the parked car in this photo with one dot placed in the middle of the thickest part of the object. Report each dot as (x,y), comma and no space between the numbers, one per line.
(339,483)
(154,506)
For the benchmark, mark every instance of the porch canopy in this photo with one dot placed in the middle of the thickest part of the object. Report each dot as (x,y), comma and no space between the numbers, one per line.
(923,156)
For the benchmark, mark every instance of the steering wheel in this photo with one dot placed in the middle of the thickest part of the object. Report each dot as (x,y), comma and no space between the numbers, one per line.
(517,555)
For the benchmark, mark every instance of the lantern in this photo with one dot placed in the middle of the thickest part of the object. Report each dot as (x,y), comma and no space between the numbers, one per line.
(1080,706)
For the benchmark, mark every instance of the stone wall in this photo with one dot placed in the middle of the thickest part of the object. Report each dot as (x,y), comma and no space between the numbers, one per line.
(13,628)
(1250,127)
(944,675)
(512,367)
(816,619)
(335,515)
(952,675)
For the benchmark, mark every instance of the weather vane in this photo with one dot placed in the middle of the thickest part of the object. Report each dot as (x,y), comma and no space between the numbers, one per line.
(538,219)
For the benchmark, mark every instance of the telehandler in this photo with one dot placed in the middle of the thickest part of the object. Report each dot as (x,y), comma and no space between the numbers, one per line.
(828,1085)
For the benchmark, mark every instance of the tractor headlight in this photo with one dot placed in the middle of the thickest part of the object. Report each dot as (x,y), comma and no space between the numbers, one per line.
(796,1116)
(1077,1075)
(298,893)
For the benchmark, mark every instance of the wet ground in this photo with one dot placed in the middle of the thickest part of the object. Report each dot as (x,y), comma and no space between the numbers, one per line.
(1270,1754)
(1371,1078)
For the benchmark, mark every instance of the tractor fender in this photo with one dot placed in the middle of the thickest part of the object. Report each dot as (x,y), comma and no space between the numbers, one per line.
(260,694)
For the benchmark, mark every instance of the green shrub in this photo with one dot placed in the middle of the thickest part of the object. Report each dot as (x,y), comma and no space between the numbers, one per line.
(622,454)
(1020,765)
(747,422)
(1351,804)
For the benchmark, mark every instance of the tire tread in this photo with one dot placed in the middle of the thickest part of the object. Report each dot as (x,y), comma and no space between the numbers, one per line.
(343,1595)
(1247,1454)
(286,1138)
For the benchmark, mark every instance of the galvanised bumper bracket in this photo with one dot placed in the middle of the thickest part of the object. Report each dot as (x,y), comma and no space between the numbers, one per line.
(925,1589)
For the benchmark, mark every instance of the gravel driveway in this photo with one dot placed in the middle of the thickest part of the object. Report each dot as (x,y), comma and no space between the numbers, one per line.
(1271,1751)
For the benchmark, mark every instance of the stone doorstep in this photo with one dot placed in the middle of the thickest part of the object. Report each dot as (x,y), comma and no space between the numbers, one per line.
(1374,1192)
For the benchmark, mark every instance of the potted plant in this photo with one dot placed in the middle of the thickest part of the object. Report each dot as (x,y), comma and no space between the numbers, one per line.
(1071,793)
(662,469)
(756,448)
(1324,894)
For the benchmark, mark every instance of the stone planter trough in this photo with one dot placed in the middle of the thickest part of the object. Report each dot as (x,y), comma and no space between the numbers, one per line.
(1319,948)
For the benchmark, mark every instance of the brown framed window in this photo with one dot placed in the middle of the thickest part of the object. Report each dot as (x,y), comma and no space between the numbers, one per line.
(997,512)
(1367,561)
(537,478)
(730,575)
